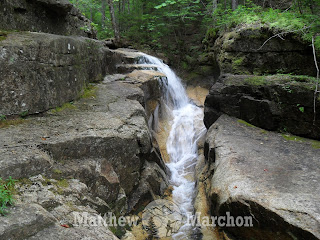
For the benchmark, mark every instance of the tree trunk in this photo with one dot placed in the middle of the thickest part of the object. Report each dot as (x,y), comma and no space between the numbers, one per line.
(214,5)
(129,6)
(103,13)
(113,21)
(123,6)
(234,4)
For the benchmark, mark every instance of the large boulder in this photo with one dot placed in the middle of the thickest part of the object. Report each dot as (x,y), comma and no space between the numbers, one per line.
(31,221)
(278,102)
(255,50)
(49,16)
(263,175)
(41,71)
(103,141)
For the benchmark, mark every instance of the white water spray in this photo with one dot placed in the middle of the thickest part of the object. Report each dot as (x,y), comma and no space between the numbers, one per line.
(182,144)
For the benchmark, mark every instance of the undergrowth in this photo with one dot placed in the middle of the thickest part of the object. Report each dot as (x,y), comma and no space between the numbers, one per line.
(304,24)
(6,194)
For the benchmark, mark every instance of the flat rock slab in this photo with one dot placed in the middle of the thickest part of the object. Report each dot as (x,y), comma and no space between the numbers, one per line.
(31,221)
(41,71)
(263,175)
(101,142)
(110,127)
(24,221)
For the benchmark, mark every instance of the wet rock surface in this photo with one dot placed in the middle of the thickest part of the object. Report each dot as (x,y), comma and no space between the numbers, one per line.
(277,102)
(252,172)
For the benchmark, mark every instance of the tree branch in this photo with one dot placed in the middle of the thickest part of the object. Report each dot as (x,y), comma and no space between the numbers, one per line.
(280,36)
(317,82)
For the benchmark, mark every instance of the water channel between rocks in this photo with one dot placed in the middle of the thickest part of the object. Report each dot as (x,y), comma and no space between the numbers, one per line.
(186,129)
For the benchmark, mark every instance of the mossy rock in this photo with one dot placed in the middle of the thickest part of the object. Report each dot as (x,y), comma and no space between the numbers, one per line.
(279,102)
(314,143)
(245,51)
(64,107)
(3,35)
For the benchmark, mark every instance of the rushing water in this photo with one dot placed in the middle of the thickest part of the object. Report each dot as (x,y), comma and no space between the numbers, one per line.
(186,129)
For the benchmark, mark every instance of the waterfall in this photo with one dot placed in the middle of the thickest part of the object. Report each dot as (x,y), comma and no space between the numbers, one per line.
(182,145)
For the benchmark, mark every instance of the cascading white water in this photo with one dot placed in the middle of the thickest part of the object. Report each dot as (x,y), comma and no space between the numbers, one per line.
(186,130)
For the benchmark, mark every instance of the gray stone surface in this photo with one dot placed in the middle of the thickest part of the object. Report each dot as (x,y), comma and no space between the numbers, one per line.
(240,51)
(252,172)
(45,209)
(25,221)
(95,157)
(87,142)
(276,102)
(83,233)
(49,16)
(42,71)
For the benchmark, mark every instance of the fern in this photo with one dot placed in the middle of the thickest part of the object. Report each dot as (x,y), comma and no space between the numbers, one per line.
(6,190)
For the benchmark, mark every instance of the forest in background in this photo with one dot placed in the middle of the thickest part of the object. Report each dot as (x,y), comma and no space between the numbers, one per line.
(178,28)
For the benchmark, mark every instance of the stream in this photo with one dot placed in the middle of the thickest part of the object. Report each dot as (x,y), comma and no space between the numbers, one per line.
(187,128)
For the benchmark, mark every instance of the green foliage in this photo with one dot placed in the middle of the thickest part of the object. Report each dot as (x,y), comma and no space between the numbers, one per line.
(24,114)
(301,109)
(306,23)
(287,88)
(164,25)
(85,28)
(6,192)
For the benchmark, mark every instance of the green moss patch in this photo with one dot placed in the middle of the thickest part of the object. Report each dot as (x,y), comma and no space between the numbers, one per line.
(25,181)
(89,92)
(57,171)
(237,62)
(299,80)
(3,35)
(10,122)
(245,123)
(314,143)
(63,107)
(256,80)
(63,183)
